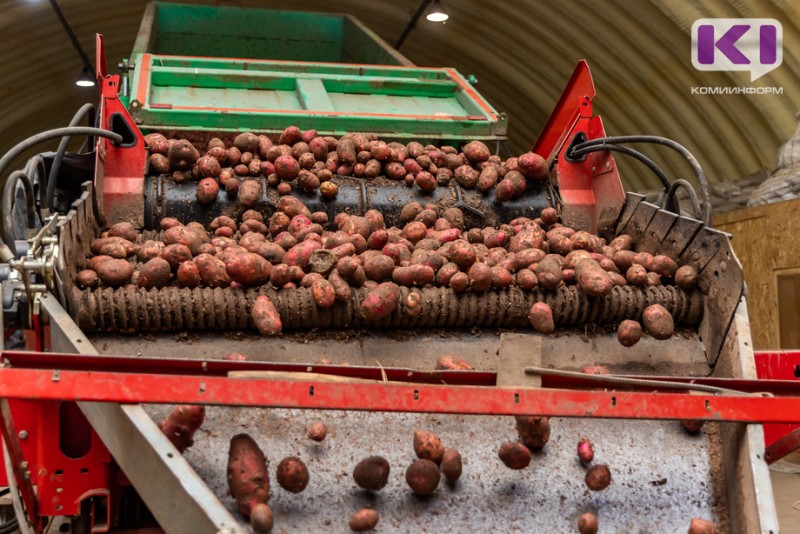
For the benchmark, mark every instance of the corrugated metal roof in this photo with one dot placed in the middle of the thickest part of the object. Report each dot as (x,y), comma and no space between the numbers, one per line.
(522,53)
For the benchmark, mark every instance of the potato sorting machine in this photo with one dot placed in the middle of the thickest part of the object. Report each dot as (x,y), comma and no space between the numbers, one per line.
(90,369)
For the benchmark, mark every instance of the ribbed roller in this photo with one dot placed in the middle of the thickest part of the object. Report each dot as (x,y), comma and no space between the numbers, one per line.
(168,309)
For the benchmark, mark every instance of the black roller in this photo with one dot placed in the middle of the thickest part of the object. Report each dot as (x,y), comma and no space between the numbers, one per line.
(165,198)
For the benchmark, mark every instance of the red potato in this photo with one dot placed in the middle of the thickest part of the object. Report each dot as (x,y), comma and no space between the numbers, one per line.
(87,279)
(533,430)
(549,216)
(207,191)
(372,473)
(413,275)
(175,254)
(261,519)
(317,431)
(249,193)
(155,273)
(487,178)
(212,271)
(463,254)
(266,317)
(113,246)
(476,152)
(188,275)
(515,455)
(168,222)
(346,150)
(663,266)
(323,293)
(340,287)
(114,272)
(248,269)
(526,279)
(182,154)
(156,143)
(629,332)
(184,235)
(309,279)
(686,277)
(699,525)
(125,230)
(593,279)
(292,206)
(658,322)
(446,273)
(533,166)
(425,181)
(410,212)
(541,318)
(423,477)
(363,520)
(501,277)
(480,277)
(208,167)
(459,282)
(292,474)
(248,479)
(636,275)
(427,446)
(585,451)
(451,465)
(653,279)
(381,301)
(587,523)
(181,424)
(466,176)
(246,142)
(598,477)
(449,362)
(692,427)
(300,254)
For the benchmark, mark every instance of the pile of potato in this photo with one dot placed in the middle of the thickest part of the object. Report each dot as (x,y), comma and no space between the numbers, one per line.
(305,161)
(295,247)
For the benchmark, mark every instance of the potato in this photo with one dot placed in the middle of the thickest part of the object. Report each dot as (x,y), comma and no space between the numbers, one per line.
(410,212)
(466,176)
(459,282)
(425,181)
(323,293)
(529,236)
(113,246)
(300,254)
(181,424)
(663,266)
(381,301)
(598,477)
(533,166)
(487,178)
(413,275)
(292,474)
(480,277)
(699,525)
(248,269)
(517,183)
(533,431)
(156,143)
(446,273)
(249,193)
(549,215)
(476,152)
(212,270)
(501,277)
(585,451)
(593,279)
(208,167)
(207,191)
(526,279)
(364,520)
(188,275)
(658,322)
(292,206)
(266,317)
(246,142)
(587,523)
(114,272)
(379,267)
(372,473)
(125,230)
(233,156)
(175,254)
(317,431)
(248,479)
(451,465)
(636,275)
(463,254)
(87,279)
(155,273)
(182,154)
(628,333)
(548,273)
(346,150)
(423,476)
(427,446)
(515,455)
(541,318)
(686,277)
(261,519)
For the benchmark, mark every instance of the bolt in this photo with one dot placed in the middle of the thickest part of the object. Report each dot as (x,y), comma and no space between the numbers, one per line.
(23,434)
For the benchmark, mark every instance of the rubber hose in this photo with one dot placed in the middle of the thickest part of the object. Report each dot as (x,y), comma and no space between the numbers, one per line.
(629,152)
(62,148)
(8,207)
(698,212)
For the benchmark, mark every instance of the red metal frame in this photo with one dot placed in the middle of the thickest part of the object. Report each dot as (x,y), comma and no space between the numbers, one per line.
(781,439)
(591,190)
(119,172)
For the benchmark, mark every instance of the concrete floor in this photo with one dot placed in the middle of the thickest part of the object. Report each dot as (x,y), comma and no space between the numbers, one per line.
(786,488)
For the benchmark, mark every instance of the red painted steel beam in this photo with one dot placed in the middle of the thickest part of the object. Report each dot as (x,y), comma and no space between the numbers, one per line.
(782,446)
(391,397)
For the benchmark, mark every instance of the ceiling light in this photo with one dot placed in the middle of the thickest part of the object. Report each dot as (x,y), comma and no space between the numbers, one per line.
(85,79)
(437,13)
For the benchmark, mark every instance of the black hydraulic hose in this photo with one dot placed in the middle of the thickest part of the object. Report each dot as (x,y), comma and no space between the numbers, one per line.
(578,152)
(681,183)
(674,145)
(36,168)
(9,526)
(8,206)
(62,148)
(34,140)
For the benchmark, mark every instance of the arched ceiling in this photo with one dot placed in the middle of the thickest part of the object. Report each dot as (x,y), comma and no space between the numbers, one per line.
(522,53)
